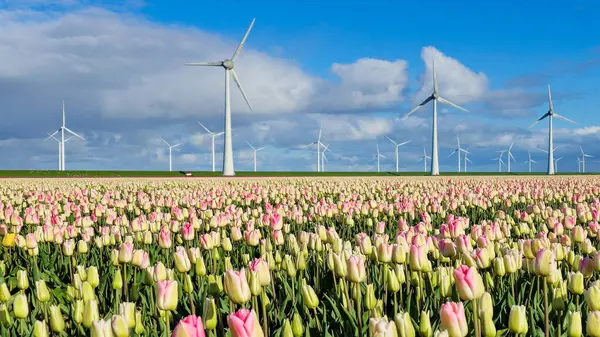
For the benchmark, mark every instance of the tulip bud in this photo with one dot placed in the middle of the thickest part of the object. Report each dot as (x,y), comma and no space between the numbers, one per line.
(469,283)
(119,325)
(90,313)
(139,325)
(425,325)
(236,286)
(200,267)
(77,311)
(20,306)
(453,320)
(574,329)
(297,325)
(166,295)
(391,281)
(22,280)
(404,325)
(127,310)
(4,292)
(101,328)
(117,282)
(487,324)
(57,322)
(40,329)
(575,283)
(215,285)
(485,303)
(209,317)
(309,297)
(254,283)
(593,324)
(6,318)
(41,291)
(370,299)
(517,320)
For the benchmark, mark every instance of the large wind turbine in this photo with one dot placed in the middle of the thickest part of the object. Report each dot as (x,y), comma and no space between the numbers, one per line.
(435,97)
(171,147)
(62,130)
(254,150)
(377,156)
(212,135)
(424,159)
(583,155)
(319,144)
(228,65)
(529,160)
(397,145)
(550,114)
(59,148)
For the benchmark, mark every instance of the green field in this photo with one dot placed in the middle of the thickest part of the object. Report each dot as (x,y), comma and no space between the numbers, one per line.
(52,174)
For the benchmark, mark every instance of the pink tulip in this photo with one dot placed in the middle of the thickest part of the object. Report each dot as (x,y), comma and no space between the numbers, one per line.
(418,257)
(244,323)
(190,326)
(206,241)
(469,283)
(276,222)
(187,231)
(252,238)
(164,238)
(167,292)
(355,266)
(453,320)
(277,237)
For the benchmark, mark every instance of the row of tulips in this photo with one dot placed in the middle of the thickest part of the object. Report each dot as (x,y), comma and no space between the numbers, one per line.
(300,258)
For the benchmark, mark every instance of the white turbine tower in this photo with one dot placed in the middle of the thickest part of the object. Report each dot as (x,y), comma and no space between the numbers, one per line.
(377,156)
(550,114)
(458,150)
(254,150)
(171,147)
(435,97)
(228,65)
(509,156)
(319,144)
(62,130)
(556,164)
(424,159)
(324,157)
(397,145)
(212,135)
(467,159)
(59,148)
(529,160)
(583,155)
(500,161)
(578,164)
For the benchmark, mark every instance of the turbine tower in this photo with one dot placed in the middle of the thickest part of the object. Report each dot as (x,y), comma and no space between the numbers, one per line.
(424,158)
(228,65)
(254,150)
(583,155)
(62,130)
(397,145)
(500,161)
(467,159)
(59,148)
(212,136)
(550,114)
(556,164)
(171,147)
(529,160)
(324,157)
(578,164)
(377,156)
(509,156)
(435,97)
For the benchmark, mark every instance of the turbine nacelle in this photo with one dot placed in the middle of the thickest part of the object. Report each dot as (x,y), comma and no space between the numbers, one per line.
(228,64)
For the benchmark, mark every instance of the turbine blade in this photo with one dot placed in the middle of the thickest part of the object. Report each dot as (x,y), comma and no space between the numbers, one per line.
(239,48)
(435,86)
(563,118)
(445,101)
(419,106)
(320,132)
(260,148)
(540,119)
(393,142)
(382,156)
(239,85)
(453,152)
(73,133)
(404,143)
(533,161)
(469,160)
(205,128)
(218,134)
(205,64)
(250,145)
(511,146)
(550,105)
(176,145)
(169,145)
(420,160)
(465,151)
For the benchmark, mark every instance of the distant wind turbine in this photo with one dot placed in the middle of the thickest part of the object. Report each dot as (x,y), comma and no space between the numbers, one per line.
(377,156)
(324,157)
(550,114)
(397,145)
(556,164)
(212,135)
(529,160)
(228,65)
(467,160)
(424,159)
(583,155)
(499,159)
(62,130)
(509,156)
(435,97)
(59,148)
(254,150)
(319,144)
(171,147)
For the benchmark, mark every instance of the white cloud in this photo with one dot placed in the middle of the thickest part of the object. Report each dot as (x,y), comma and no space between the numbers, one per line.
(588,130)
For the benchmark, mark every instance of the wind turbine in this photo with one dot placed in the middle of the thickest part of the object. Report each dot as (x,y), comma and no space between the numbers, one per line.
(171,147)
(583,155)
(319,144)
(435,97)
(550,114)
(458,150)
(324,157)
(578,164)
(556,164)
(424,158)
(529,160)
(377,156)
(62,130)
(212,135)
(467,159)
(499,159)
(509,156)
(59,148)
(254,150)
(228,65)
(397,145)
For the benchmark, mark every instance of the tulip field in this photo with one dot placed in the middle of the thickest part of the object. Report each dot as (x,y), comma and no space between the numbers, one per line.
(291,257)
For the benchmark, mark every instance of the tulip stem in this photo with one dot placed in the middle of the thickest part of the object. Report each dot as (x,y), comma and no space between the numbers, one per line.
(359,309)
(476,318)
(125,292)
(317,319)
(265,318)
(546,313)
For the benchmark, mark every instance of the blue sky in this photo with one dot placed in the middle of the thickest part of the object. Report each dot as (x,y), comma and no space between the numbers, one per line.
(354,68)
